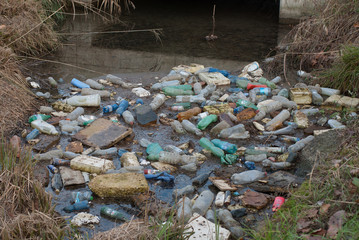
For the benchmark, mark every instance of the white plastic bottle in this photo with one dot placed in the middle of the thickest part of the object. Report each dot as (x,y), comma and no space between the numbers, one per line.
(157,101)
(203,202)
(75,113)
(44,127)
(247,177)
(128,117)
(300,144)
(84,101)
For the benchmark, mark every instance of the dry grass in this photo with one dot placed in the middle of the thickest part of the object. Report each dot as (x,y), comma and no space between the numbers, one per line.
(315,42)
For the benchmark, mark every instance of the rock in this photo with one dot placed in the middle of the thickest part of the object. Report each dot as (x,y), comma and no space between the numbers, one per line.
(118,184)
(71,177)
(204,229)
(163,166)
(75,147)
(91,164)
(129,159)
(46,142)
(254,199)
(84,218)
(246,114)
(239,213)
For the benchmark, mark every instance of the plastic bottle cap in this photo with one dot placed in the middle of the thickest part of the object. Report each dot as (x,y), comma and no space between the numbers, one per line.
(91,198)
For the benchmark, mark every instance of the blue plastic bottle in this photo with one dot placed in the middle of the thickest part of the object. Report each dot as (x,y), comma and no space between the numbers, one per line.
(110,108)
(33,134)
(139,101)
(121,152)
(225,146)
(224,72)
(79,84)
(82,205)
(122,107)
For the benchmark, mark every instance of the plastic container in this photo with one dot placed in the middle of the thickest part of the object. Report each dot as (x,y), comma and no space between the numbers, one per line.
(44,95)
(271,149)
(191,128)
(84,101)
(278,120)
(206,144)
(246,104)
(170,157)
(197,88)
(225,146)
(203,124)
(44,127)
(278,202)
(209,89)
(75,113)
(330,91)
(158,86)
(335,124)
(56,182)
(95,85)
(177,127)
(261,91)
(276,165)
(157,101)
(81,196)
(247,177)
(103,152)
(77,83)
(256,158)
(91,164)
(189,114)
(178,193)
(90,91)
(60,162)
(184,210)
(110,108)
(122,107)
(226,133)
(264,81)
(129,159)
(203,202)
(316,97)
(300,95)
(79,206)
(39,116)
(300,144)
(128,117)
(33,134)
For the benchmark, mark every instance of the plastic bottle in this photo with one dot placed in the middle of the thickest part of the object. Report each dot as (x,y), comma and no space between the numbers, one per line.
(60,162)
(201,179)
(170,157)
(285,102)
(210,215)
(52,81)
(84,101)
(251,86)
(178,193)
(174,149)
(90,91)
(46,110)
(193,99)
(271,149)
(335,124)
(225,146)
(49,155)
(287,130)
(232,225)
(128,117)
(206,144)
(103,152)
(246,104)
(203,202)
(95,85)
(289,138)
(44,127)
(177,127)
(56,182)
(191,128)
(209,89)
(232,130)
(110,108)
(300,144)
(144,142)
(185,105)
(276,80)
(190,167)
(247,177)
(153,150)
(330,91)
(33,134)
(52,169)
(122,107)
(79,84)
(39,116)
(158,86)
(251,67)
(177,108)
(82,205)
(276,165)
(157,101)
(242,83)
(256,158)
(261,91)
(206,121)
(188,114)
(187,159)
(70,155)
(264,81)
(278,120)
(316,97)
(75,113)
(219,127)
(151,171)
(44,95)
(283,93)
(81,196)
(271,106)
(171,77)
(172,91)
(184,211)
(197,88)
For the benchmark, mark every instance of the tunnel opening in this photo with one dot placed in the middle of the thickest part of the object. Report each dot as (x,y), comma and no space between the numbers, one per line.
(246,29)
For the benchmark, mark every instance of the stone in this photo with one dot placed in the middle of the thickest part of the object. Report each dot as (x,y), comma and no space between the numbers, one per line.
(102,133)
(348,102)
(71,177)
(118,185)
(46,142)
(204,229)
(75,147)
(91,164)
(332,100)
(163,166)
(254,199)
(238,213)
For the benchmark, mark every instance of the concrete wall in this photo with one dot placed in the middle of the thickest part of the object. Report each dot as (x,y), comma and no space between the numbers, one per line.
(295,9)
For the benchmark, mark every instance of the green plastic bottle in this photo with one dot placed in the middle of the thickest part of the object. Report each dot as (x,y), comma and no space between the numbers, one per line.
(263,80)
(43,117)
(242,83)
(112,213)
(153,150)
(206,144)
(206,121)
(170,91)
(246,104)
(186,105)
(183,87)
(229,159)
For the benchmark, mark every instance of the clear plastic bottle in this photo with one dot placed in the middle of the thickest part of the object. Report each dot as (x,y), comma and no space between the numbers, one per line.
(219,127)
(232,225)
(122,107)
(158,86)
(276,80)
(94,84)
(247,177)
(310,111)
(144,142)
(316,97)
(229,131)
(56,182)
(242,83)
(330,91)
(206,121)
(246,104)
(207,144)
(219,200)
(49,155)
(283,93)
(90,91)
(276,165)
(128,117)
(79,206)
(187,159)
(52,81)
(225,146)
(33,134)
(60,162)
(171,77)
(271,149)
(335,124)
(190,167)
(285,102)
(264,81)
(112,213)
(170,157)
(287,130)
(191,128)
(208,90)
(271,106)
(171,91)
(172,148)
(103,152)
(84,101)
(157,101)
(184,210)
(277,120)
(203,202)
(75,113)
(300,144)
(70,155)
(44,127)
(256,157)
(210,215)
(44,95)
(251,67)
(46,110)
(178,193)
(261,91)
(197,88)
(81,196)
(177,127)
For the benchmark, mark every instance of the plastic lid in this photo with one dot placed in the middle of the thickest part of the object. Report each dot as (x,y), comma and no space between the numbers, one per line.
(91,198)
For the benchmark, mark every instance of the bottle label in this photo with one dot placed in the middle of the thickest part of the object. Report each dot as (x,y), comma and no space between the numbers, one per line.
(263,91)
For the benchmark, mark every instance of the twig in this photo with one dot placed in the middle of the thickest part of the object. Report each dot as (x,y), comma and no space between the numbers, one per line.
(284,69)
(154,30)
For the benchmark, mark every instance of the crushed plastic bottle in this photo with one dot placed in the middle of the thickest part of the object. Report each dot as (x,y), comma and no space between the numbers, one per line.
(191,128)
(122,107)
(170,157)
(206,121)
(157,101)
(207,144)
(247,177)
(188,114)
(177,126)
(75,113)
(300,144)
(81,196)
(110,108)
(44,127)
(203,202)
(225,146)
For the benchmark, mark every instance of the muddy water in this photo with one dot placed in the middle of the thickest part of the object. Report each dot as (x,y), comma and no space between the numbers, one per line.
(91,49)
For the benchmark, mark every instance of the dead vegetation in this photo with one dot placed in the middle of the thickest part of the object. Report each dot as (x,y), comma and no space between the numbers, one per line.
(316,41)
